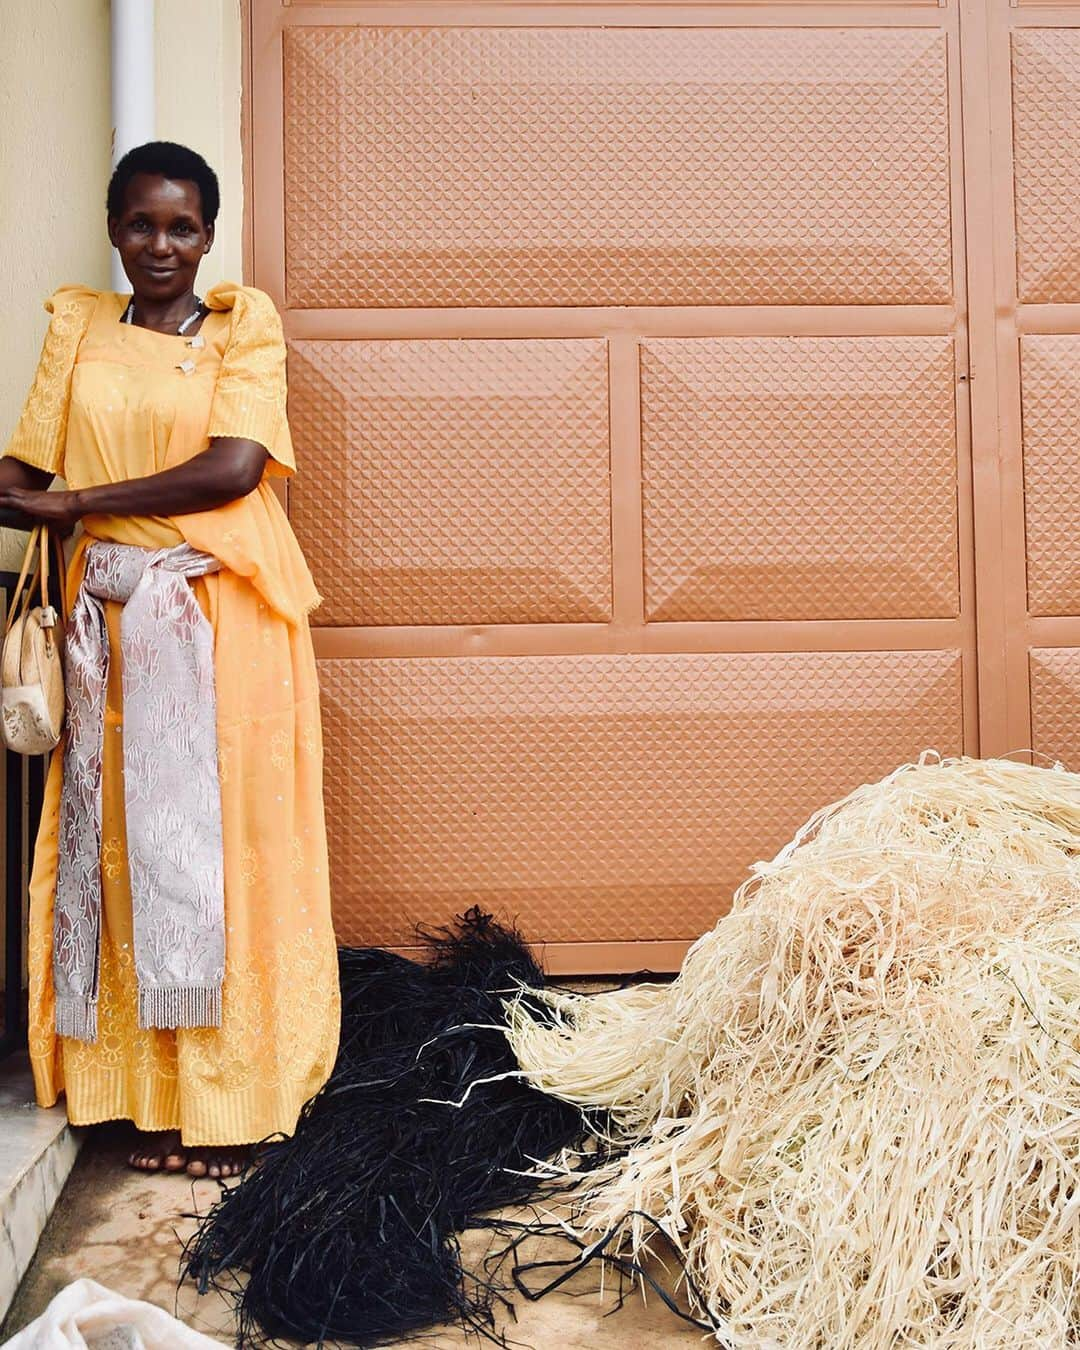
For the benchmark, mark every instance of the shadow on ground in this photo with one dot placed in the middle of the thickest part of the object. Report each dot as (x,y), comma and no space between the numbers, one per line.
(124,1229)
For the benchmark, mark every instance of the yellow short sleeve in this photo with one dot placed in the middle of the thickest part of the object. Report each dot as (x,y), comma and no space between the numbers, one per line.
(41,430)
(250,396)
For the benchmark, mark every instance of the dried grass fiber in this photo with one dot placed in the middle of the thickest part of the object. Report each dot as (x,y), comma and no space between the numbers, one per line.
(856,1112)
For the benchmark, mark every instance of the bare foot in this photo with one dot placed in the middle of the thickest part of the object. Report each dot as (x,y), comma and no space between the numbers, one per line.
(219,1163)
(159,1151)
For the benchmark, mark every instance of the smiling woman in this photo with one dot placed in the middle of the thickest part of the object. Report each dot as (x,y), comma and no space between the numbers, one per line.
(183,967)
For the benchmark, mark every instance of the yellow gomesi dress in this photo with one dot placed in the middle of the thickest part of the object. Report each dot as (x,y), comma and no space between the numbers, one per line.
(112,402)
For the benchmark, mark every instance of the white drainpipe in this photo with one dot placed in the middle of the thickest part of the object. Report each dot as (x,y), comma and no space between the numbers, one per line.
(131,31)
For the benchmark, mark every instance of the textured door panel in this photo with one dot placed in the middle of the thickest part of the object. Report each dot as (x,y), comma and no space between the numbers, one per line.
(1055,704)
(855,436)
(1051,401)
(476,478)
(1046,75)
(581,793)
(585,166)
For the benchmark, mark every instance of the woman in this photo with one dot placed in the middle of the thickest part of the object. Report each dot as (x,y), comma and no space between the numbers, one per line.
(182,961)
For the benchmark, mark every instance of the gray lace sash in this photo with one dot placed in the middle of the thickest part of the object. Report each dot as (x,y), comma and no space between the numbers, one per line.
(172,799)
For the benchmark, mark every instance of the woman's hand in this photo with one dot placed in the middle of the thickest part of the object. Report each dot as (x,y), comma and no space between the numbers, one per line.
(59,510)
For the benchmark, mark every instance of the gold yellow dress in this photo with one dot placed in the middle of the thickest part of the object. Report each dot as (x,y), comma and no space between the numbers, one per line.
(112,402)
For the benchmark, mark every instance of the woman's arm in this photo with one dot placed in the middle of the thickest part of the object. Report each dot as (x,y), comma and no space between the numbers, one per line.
(230,468)
(15,474)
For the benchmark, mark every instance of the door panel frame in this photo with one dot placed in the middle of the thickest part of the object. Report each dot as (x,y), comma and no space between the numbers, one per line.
(993,629)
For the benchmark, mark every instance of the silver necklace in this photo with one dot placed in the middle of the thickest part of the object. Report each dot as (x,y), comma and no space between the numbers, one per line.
(200,309)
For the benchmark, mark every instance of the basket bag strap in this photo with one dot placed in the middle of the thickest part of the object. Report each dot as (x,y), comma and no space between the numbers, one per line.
(37,556)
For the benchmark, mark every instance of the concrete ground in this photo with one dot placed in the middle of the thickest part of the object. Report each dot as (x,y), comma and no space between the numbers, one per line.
(124,1230)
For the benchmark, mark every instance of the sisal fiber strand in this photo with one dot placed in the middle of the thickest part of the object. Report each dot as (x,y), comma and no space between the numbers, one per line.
(856,1112)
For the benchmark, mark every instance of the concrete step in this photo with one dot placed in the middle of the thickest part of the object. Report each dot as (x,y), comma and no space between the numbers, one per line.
(37,1151)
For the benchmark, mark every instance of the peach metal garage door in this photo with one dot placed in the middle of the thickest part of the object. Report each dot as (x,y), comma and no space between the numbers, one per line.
(629,358)
(1031,396)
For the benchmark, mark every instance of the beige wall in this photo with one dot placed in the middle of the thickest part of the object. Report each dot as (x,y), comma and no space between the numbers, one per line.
(54,167)
(55,153)
(198,103)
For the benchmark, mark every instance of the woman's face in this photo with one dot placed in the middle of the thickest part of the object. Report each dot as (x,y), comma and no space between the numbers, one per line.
(160,236)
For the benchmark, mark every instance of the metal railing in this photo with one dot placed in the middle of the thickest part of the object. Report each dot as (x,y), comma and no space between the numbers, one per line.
(24,787)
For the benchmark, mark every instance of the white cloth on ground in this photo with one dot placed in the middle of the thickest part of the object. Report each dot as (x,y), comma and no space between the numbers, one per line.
(87,1316)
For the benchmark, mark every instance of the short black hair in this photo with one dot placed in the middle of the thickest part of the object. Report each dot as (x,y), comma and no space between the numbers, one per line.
(169,160)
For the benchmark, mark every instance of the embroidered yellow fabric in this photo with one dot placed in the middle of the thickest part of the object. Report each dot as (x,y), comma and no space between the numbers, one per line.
(109,402)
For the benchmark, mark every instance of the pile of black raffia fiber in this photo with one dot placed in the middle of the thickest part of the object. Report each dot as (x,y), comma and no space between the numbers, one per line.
(348,1230)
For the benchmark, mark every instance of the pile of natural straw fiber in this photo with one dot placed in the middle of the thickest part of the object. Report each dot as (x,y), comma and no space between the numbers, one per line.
(856,1112)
